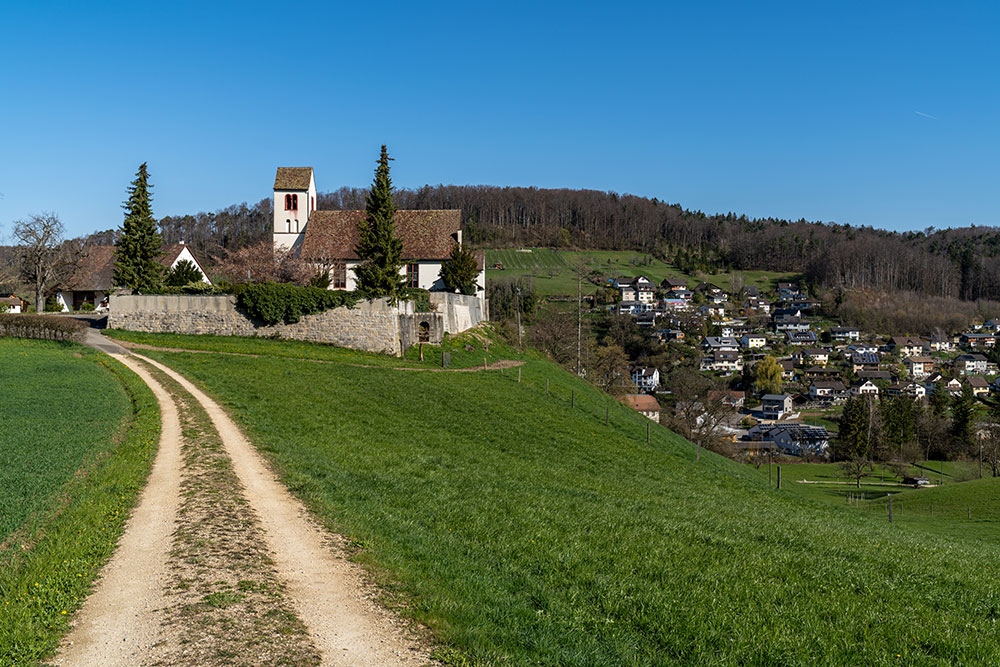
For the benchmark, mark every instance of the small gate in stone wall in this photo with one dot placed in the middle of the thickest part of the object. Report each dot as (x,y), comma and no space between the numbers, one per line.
(420,328)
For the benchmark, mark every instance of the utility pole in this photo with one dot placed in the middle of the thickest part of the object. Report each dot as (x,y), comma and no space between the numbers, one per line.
(517,303)
(579,316)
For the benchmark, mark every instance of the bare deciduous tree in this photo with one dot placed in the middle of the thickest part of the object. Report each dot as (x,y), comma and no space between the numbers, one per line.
(43,253)
(262,263)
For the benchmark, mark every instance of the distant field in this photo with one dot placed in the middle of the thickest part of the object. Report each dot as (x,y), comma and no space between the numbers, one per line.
(77,435)
(553,270)
(522,530)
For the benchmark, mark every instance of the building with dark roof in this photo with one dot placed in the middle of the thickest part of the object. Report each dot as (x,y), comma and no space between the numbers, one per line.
(329,238)
(91,280)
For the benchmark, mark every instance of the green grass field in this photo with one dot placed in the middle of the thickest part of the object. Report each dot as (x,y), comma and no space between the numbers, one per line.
(522,530)
(77,436)
(554,274)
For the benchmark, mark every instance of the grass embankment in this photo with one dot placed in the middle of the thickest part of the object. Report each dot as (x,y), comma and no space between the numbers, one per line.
(522,530)
(554,275)
(78,433)
(465,350)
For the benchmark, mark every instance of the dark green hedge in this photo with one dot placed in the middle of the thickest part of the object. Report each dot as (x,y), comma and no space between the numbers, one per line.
(280,302)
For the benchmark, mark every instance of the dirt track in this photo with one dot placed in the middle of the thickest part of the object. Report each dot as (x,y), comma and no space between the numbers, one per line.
(122,622)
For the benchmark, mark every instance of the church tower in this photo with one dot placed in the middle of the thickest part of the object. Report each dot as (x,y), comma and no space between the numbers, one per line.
(294,200)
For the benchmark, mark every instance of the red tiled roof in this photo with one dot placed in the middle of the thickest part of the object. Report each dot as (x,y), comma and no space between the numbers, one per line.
(425,234)
(641,402)
(95,269)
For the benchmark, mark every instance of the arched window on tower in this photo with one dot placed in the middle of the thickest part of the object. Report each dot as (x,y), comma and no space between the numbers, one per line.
(288,202)
(295,202)
(288,223)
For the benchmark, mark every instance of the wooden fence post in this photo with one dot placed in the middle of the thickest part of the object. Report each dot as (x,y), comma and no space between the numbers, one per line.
(890,509)
(519,374)
(779,477)
(607,412)
(546,386)
(572,399)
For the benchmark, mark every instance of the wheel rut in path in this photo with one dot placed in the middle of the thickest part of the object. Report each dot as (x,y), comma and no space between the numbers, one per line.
(327,591)
(119,623)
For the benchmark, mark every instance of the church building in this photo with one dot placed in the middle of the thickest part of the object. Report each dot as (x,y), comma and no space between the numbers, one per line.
(328,238)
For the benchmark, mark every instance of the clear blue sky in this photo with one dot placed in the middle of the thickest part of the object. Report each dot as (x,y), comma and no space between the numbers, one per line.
(883,114)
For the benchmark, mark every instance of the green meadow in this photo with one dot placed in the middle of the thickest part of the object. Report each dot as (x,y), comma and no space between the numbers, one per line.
(553,271)
(521,529)
(77,436)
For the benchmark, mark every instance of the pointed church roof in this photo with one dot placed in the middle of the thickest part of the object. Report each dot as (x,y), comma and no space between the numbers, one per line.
(293,178)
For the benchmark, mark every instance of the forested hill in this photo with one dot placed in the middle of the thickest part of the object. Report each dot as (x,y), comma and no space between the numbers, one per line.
(962,263)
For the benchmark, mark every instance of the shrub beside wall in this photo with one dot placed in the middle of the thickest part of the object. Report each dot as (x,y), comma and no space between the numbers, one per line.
(42,327)
(272,303)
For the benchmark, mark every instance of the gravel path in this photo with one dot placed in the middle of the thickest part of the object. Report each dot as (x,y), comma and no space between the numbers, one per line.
(131,618)
(121,621)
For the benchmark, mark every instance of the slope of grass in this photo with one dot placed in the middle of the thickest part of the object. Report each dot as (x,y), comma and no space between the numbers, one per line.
(554,275)
(77,437)
(522,530)
(465,350)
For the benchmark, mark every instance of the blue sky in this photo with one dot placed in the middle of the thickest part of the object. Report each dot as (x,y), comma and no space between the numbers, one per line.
(881,114)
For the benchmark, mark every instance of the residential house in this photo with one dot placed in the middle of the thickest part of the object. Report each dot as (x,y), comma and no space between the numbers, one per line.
(644,404)
(940,343)
(673,284)
(919,367)
(864,388)
(801,337)
(827,391)
(10,304)
(93,273)
(732,399)
(753,341)
(789,323)
(970,364)
(876,376)
(820,373)
(978,341)
(800,439)
(815,355)
(722,362)
(645,318)
(647,379)
(862,348)
(776,406)
(787,369)
(717,343)
(864,362)
(980,387)
(845,333)
(712,311)
(805,305)
(672,305)
(914,390)
(670,334)
(906,346)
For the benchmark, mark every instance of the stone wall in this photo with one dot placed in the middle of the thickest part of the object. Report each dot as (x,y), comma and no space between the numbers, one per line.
(369,326)
(460,312)
(372,326)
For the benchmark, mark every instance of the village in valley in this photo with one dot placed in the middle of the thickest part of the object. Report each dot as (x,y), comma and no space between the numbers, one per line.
(822,363)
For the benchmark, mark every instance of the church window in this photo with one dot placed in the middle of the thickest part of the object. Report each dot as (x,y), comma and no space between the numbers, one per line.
(413,275)
(291,202)
(288,224)
(338,276)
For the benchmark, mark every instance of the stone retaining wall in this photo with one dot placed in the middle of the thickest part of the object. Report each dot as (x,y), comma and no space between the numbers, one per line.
(369,326)
(372,326)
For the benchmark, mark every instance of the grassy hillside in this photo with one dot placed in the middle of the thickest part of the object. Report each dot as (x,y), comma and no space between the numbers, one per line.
(523,530)
(77,436)
(554,275)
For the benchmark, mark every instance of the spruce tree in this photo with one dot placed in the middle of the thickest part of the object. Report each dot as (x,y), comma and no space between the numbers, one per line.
(461,270)
(379,248)
(138,250)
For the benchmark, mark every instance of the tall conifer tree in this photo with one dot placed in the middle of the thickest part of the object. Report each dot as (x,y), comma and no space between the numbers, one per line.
(379,247)
(139,247)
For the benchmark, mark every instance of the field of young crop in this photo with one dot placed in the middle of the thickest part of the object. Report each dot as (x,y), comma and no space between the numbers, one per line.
(522,530)
(554,274)
(77,435)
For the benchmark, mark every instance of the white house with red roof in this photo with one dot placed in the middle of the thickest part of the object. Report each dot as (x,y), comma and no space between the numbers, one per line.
(328,238)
